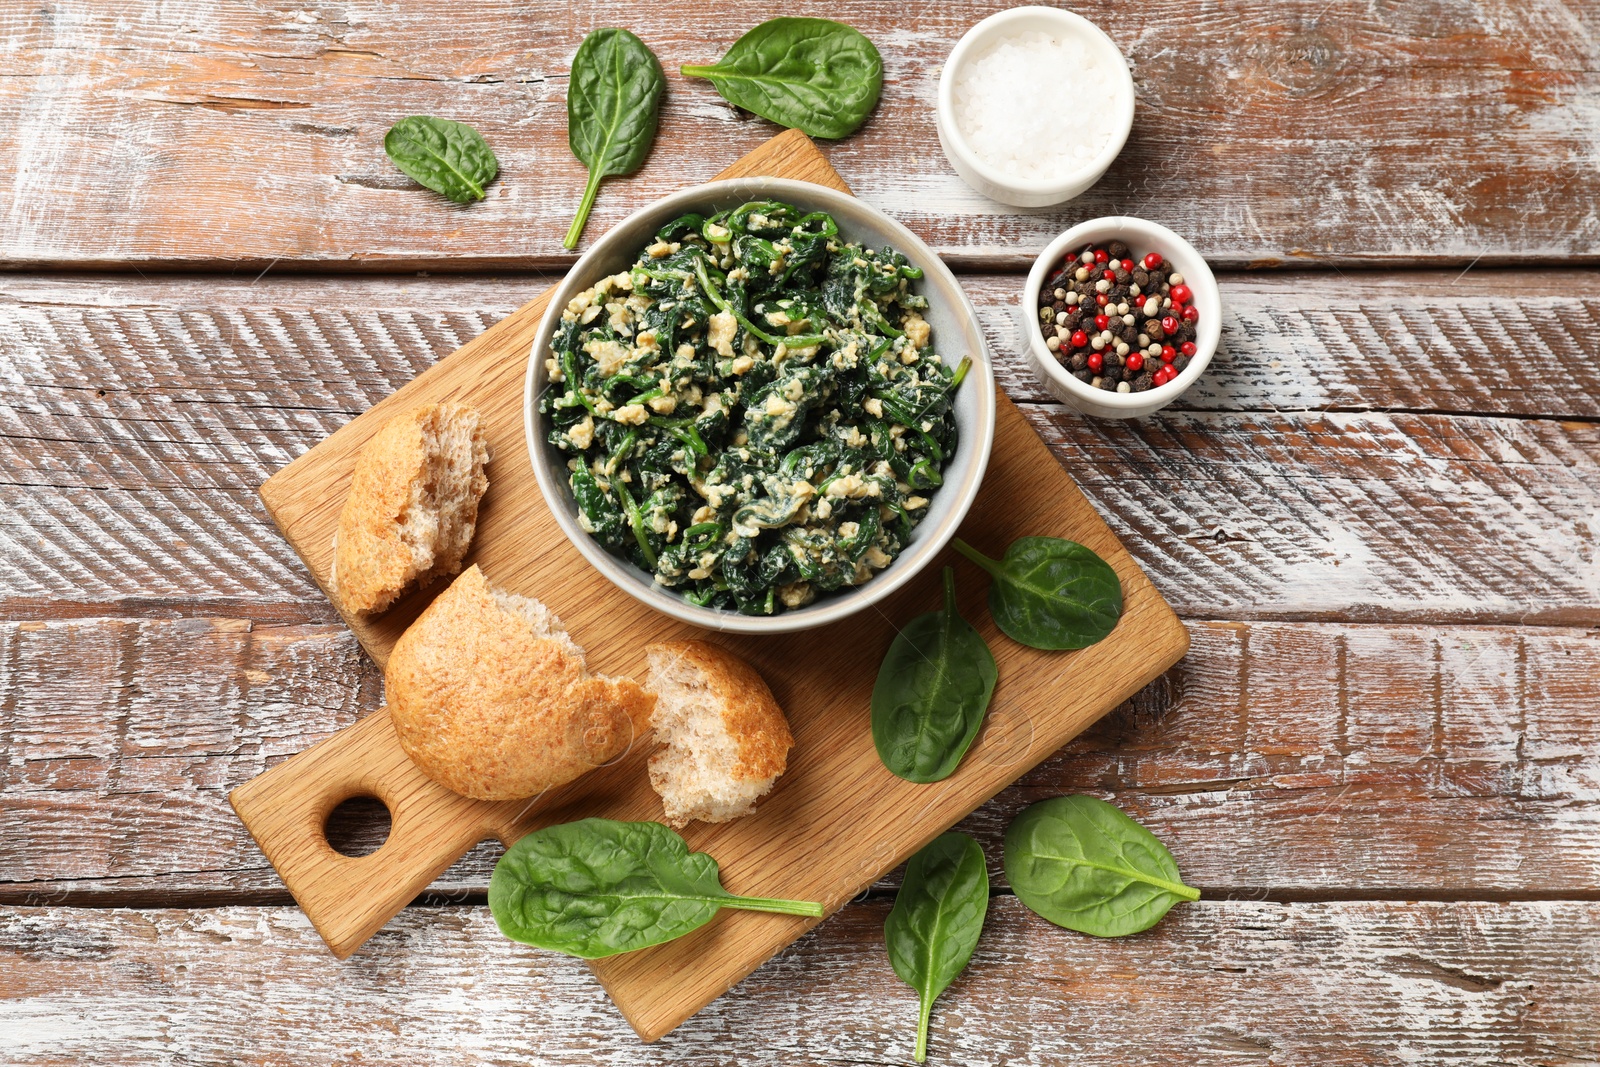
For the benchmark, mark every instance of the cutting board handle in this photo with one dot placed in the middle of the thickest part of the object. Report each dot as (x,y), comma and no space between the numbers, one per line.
(348,898)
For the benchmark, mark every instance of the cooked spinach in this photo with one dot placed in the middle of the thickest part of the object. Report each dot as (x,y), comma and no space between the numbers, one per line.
(932,691)
(1049,593)
(598,887)
(814,75)
(753,413)
(1083,864)
(612,102)
(936,919)
(448,157)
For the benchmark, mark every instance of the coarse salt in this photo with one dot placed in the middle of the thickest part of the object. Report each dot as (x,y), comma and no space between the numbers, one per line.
(1009,103)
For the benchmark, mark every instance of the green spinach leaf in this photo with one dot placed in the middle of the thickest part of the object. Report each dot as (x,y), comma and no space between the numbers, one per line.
(597,887)
(1083,864)
(448,157)
(815,75)
(1049,593)
(931,694)
(937,917)
(613,99)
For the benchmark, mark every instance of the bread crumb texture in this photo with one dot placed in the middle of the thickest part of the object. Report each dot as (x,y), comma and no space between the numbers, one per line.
(492,698)
(725,735)
(413,505)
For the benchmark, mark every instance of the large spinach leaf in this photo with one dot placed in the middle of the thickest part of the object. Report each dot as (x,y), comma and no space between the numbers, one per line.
(937,917)
(1083,864)
(597,887)
(1049,593)
(815,75)
(448,157)
(612,102)
(931,694)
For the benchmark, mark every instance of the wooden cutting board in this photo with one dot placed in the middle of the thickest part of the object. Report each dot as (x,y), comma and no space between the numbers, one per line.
(836,822)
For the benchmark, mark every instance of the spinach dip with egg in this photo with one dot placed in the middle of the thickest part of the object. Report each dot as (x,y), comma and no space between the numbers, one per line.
(753,413)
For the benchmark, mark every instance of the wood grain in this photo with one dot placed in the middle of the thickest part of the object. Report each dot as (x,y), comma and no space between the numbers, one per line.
(1286,760)
(1327,131)
(1216,984)
(137,416)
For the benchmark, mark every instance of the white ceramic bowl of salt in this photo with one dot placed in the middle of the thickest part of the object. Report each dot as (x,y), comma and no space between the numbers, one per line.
(993,123)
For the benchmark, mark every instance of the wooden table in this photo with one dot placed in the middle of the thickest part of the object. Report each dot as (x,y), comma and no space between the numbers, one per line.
(1378,513)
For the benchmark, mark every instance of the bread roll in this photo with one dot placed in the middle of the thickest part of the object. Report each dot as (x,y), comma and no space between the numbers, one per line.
(413,505)
(725,735)
(492,699)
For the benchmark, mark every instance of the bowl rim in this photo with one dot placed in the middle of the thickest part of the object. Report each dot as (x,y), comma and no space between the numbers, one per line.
(991,26)
(1202,281)
(838,605)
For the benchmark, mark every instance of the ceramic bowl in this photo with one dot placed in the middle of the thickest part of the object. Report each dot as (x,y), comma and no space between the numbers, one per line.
(1142,237)
(995,183)
(955,334)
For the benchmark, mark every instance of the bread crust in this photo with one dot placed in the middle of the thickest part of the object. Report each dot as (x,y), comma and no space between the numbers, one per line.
(373,563)
(494,711)
(750,713)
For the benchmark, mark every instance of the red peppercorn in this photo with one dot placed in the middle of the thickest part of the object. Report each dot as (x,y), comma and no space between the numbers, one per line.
(1191,314)
(1102,299)
(1127,264)
(1164,375)
(1135,362)
(1152,261)
(1079,338)
(1169,324)
(1109,275)
(1102,321)
(1180,294)
(1188,348)
(1101,255)
(1096,361)
(1168,353)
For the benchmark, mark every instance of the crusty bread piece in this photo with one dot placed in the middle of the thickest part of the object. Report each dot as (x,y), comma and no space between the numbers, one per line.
(413,505)
(727,740)
(492,699)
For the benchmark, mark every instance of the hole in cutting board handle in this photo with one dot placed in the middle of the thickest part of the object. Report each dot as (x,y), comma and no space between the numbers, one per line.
(358,826)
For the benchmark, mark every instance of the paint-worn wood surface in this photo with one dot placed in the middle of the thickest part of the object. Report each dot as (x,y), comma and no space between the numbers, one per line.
(1223,984)
(804,841)
(1348,131)
(1378,512)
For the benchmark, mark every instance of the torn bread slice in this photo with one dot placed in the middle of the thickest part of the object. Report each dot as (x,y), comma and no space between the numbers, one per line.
(413,505)
(725,735)
(490,697)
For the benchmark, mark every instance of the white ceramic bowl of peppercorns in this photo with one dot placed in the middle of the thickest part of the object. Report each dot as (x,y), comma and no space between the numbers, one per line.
(1122,316)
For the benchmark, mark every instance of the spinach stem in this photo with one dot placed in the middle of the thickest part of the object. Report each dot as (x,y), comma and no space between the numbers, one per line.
(961,373)
(589,191)
(809,908)
(977,557)
(926,1009)
(724,304)
(635,520)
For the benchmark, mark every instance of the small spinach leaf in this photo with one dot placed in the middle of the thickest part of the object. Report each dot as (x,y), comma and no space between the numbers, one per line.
(937,917)
(597,887)
(1083,864)
(1049,593)
(931,694)
(814,75)
(448,157)
(613,99)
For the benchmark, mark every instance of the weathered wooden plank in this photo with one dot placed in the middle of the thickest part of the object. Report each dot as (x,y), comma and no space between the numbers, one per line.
(299,354)
(1358,516)
(1216,983)
(1286,759)
(140,416)
(1343,132)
